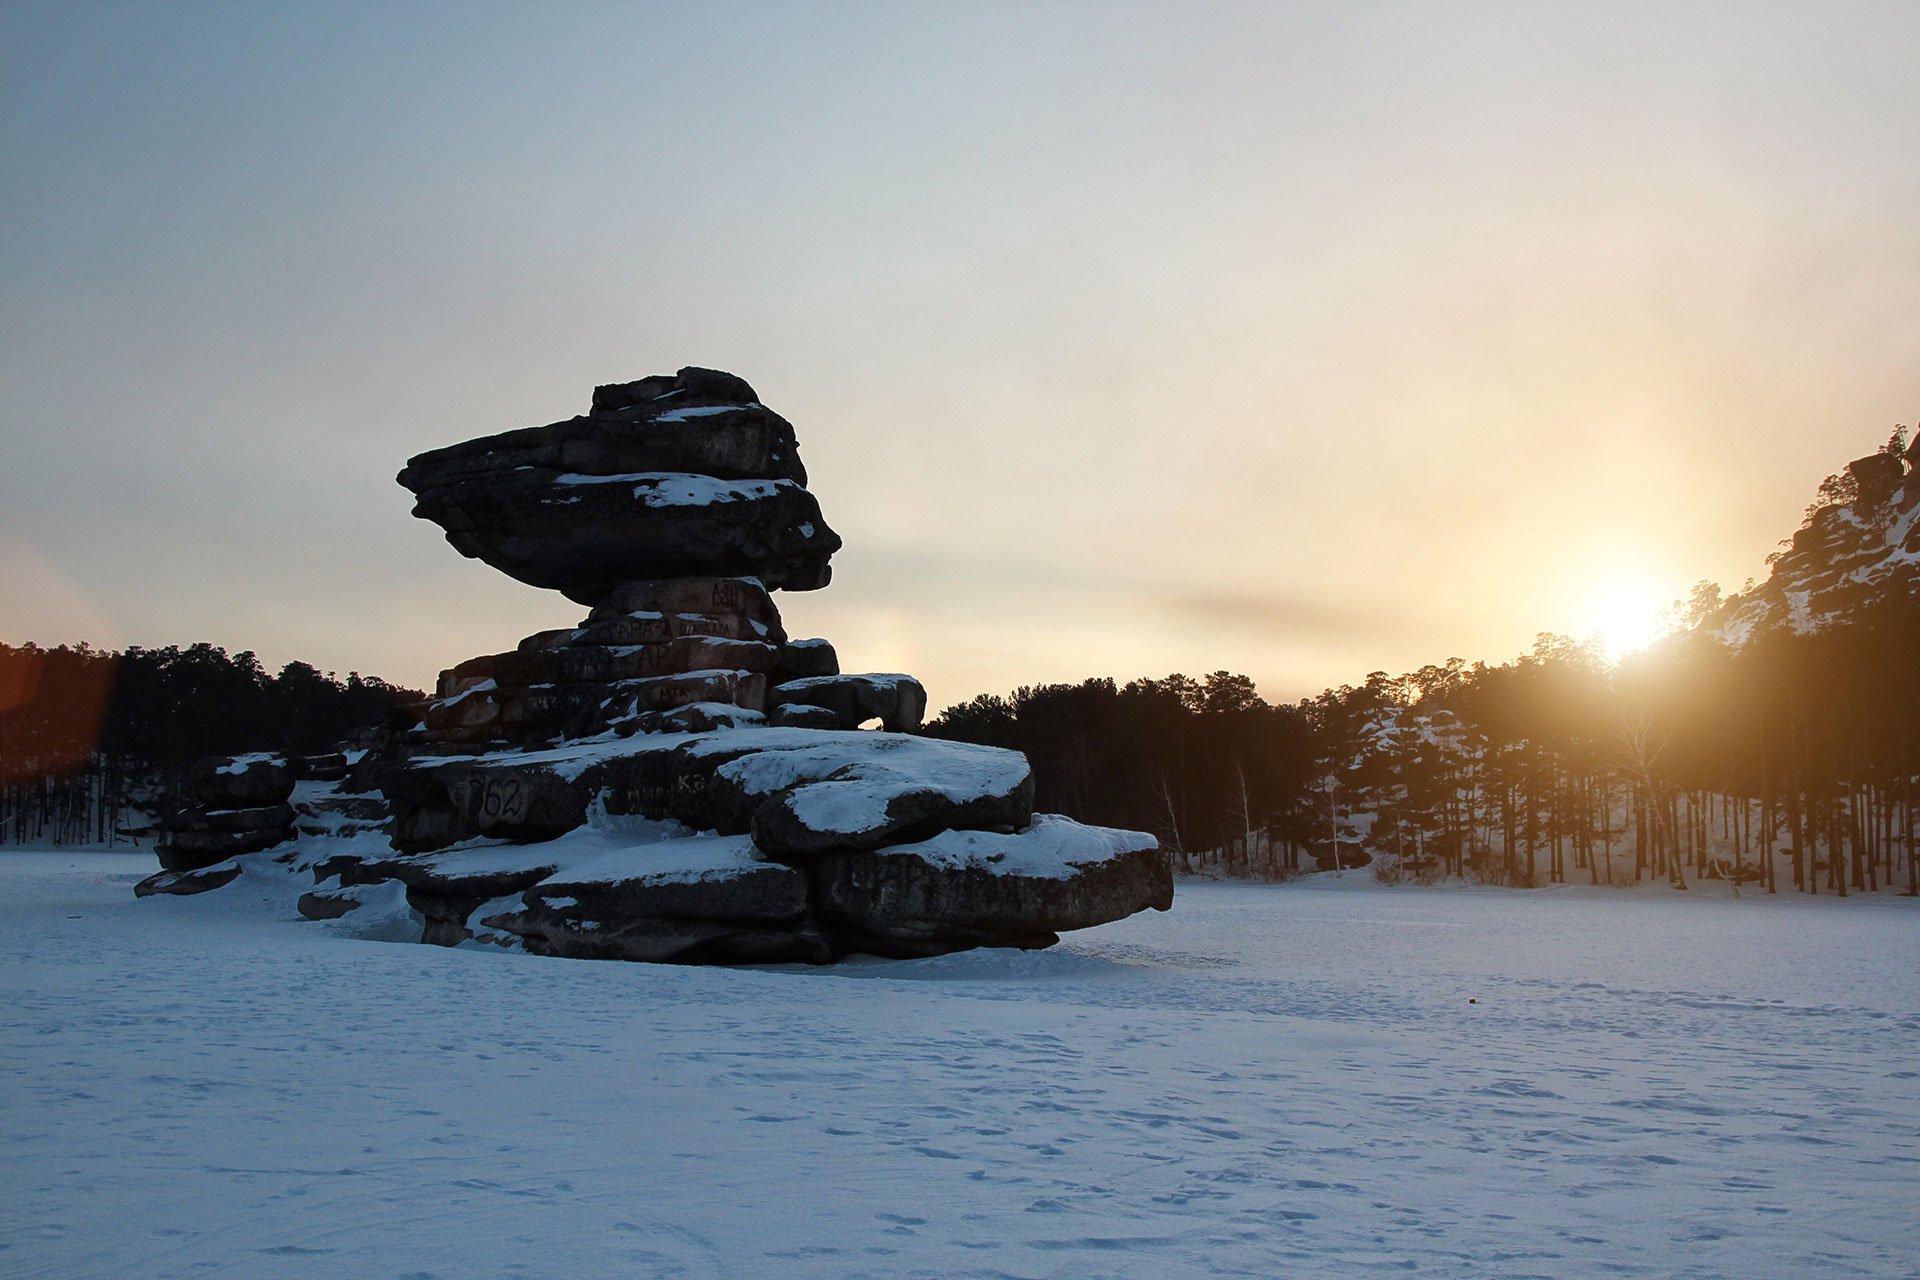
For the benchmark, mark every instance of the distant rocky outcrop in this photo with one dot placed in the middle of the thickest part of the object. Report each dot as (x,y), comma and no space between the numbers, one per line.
(676,778)
(1859,547)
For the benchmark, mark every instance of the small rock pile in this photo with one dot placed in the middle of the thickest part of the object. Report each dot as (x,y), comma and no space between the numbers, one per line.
(255,803)
(240,806)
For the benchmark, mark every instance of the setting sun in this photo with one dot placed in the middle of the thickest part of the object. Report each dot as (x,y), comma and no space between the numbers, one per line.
(1626,617)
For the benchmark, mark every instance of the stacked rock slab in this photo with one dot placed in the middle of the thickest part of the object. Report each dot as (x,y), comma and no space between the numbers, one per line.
(240,806)
(674,778)
(647,649)
(682,477)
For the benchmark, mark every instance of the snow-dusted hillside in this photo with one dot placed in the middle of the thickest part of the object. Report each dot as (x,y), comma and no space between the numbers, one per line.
(1859,548)
(1329,1078)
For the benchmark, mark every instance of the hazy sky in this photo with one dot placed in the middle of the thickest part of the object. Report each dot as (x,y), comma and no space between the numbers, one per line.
(1299,340)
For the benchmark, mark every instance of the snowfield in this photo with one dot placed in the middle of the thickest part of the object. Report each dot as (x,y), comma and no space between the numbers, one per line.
(1329,1078)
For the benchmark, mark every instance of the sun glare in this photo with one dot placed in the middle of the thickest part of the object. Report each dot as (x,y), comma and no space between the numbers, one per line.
(1626,618)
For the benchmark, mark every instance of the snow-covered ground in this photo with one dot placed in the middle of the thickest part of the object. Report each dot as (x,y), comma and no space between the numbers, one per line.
(1328,1078)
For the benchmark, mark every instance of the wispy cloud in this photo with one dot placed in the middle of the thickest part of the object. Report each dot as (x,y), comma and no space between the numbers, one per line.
(1277,614)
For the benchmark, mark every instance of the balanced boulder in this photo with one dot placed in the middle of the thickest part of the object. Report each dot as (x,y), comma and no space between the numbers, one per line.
(688,476)
(673,778)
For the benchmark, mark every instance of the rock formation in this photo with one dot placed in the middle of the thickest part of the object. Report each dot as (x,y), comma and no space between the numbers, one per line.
(249,803)
(1858,548)
(675,778)
(240,807)
(664,478)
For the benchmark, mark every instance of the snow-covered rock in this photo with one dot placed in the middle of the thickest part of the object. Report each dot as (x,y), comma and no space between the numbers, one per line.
(240,809)
(689,606)
(898,702)
(798,715)
(241,782)
(651,483)
(1852,554)
(832,790)
(650,648)
(804,659)
(329,766)
(977,888)
(616,789)
(603,663)
(814,800)
(910,846)
(189,880)
(660,892)
(492,712)
(701,898)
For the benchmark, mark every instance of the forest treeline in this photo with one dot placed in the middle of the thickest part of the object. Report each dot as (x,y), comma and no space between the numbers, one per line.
(1787,759)
(1790,760)
(87,734)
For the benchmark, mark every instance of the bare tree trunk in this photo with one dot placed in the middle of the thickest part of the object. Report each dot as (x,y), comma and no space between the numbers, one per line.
(1245,810)
(1164,794)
